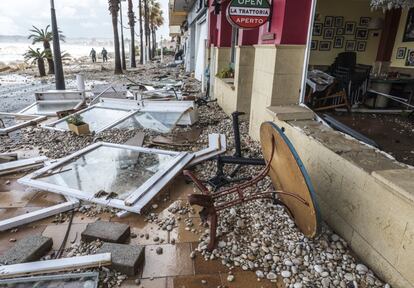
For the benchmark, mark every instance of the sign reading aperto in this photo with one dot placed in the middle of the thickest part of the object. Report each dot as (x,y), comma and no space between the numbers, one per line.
(248,14)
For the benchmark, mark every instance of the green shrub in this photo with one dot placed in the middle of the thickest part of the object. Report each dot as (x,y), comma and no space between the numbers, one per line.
(75,119)
(226,73)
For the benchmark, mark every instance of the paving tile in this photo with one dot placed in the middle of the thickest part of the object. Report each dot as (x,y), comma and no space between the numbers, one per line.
(57,233)
(175,260)
(248,279)
(139,227)
(14,194)
(146,283)
(22,232)
(195,281)
(45,199)
(13,212)
(183,236)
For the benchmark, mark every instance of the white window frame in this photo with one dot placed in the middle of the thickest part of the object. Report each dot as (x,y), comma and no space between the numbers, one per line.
(137,200)
(28,121)
(76,105)
(51,125)
(307,53)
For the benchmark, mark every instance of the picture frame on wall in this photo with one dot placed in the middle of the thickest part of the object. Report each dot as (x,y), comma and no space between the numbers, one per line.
(409,27)
(350,28)
(314,45)
(317,29)
(364,21)
(329,21)
(410,58)
(339,21)
(339,42)
(361,33)
(401,52)
(361,46)
(324,45)
(350,45)
(328,33)
(340,31)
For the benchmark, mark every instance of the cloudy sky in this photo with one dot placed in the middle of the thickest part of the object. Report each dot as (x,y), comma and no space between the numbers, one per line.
(76,18)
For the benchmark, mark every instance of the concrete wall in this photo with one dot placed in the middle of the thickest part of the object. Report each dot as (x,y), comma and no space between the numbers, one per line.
(374,216)
(276,80)
(234,94)
(363,195)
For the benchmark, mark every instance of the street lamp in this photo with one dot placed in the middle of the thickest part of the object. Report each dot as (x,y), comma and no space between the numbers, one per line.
(122,37)
(59,77)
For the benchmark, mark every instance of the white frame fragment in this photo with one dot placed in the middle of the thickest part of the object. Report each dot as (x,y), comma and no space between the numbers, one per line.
(40,214)
(137,200)
(51,125)
(73,97)
(217,145)
(57,277)
(55,265)
(28,121)
(21,165)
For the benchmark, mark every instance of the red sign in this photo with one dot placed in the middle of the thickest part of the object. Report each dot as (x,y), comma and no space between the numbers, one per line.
(248,14)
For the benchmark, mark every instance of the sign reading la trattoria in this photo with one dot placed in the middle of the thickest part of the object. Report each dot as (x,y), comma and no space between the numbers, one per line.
(248,14)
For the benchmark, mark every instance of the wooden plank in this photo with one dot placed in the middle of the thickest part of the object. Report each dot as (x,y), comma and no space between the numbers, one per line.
(37,215)
(55,265)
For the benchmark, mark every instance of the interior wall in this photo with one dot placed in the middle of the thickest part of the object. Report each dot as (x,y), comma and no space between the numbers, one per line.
(399,43)
(351,10)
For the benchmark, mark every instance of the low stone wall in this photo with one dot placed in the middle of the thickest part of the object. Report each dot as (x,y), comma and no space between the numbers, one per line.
(366,197)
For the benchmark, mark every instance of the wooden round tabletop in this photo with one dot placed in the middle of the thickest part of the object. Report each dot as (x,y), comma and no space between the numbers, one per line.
(289,175)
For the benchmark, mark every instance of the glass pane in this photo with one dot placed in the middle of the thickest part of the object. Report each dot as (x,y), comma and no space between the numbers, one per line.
(50,108)
(162,122)
(73,282)
(97,118)
(109,169)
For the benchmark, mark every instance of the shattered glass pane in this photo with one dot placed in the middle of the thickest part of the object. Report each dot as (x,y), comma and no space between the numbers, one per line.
(109,170)
(42,108)
(66,281)
(162,122)
(97,118)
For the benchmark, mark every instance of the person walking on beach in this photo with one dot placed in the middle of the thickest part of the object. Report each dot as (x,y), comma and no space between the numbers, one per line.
(104,55)
(93,55)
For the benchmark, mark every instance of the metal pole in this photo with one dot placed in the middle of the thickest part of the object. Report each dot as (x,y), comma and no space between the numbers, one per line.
(122,37)
(57,57)
(162,52)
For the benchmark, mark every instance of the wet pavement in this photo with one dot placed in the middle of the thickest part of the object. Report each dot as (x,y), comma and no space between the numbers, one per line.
(173,268)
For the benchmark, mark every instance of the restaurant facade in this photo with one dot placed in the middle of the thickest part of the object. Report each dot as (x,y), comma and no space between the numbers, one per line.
(365,195)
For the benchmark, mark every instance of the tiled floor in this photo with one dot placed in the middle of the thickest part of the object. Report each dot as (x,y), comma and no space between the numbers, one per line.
(174,268)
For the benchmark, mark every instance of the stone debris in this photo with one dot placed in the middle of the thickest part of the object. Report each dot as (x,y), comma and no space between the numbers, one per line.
(159,250)
(125,258)
(106,231)
(28,249)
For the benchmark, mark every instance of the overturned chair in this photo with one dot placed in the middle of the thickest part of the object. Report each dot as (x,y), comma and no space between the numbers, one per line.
(289,176)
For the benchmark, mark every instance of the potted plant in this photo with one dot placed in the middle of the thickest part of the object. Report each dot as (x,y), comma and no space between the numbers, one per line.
(77,125)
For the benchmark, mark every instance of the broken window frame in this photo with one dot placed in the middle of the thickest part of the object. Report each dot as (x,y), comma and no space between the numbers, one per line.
(28,121)
(136,200)
(76,105)
(40,214)
(57,277)
(52,125)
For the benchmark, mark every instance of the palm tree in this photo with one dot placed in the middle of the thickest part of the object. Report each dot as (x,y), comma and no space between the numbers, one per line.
(141,36)
(157,20)
(46,37)
(131,22)
(114,8)
(147,29)
(37,57)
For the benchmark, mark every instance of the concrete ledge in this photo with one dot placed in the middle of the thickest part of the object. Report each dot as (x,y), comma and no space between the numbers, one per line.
(400,180)
(291,112)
